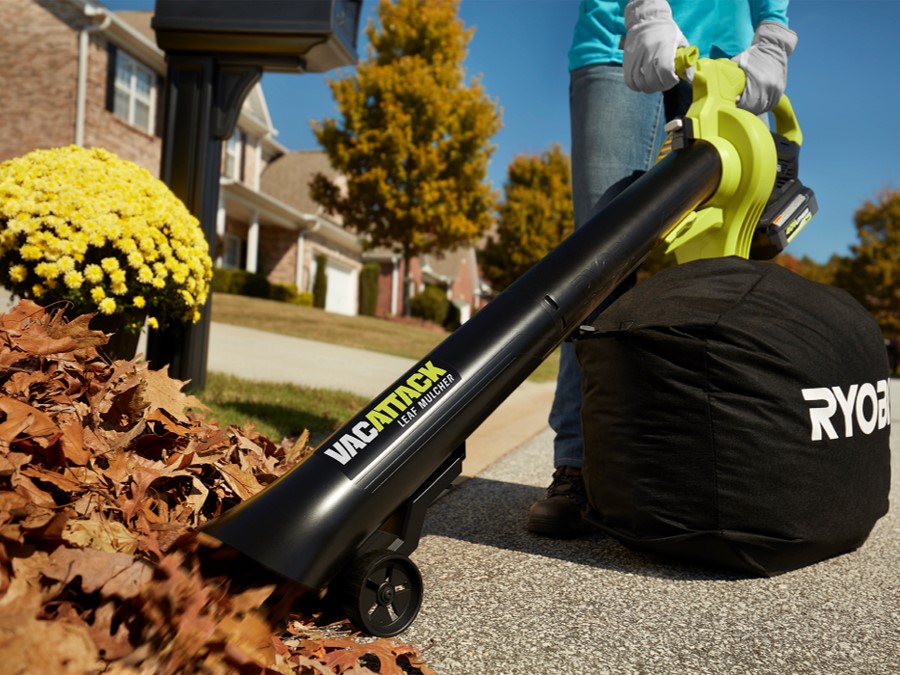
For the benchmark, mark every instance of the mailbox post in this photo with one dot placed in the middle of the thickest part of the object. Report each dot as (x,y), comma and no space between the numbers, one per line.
(216,51)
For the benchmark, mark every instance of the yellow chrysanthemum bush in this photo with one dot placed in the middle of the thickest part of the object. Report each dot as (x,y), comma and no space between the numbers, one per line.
(83,226)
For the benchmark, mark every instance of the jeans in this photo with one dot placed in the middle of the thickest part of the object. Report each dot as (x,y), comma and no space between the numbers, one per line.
(616,133)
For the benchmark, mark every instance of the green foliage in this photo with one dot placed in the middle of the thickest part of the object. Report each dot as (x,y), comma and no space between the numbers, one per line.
(368,288)
(412,138)
(534,218)
(320,283)
(431,304)
(240,282)
(873,275)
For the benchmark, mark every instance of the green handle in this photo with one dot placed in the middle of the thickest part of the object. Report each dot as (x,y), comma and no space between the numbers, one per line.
(786,122)
(685,57)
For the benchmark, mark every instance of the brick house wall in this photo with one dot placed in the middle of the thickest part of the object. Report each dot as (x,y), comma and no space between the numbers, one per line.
(39,62)
(38,69)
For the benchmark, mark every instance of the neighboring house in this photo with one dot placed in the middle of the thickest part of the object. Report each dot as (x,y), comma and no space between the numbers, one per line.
(77,73)
(455,271)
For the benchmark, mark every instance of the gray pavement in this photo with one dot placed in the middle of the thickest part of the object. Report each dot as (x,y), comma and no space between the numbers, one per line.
(498,600)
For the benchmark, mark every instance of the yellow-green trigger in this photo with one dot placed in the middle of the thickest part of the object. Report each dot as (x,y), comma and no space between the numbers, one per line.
(685,57)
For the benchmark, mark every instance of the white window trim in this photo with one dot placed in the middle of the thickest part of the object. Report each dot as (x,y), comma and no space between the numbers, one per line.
(233,155)
(131,92)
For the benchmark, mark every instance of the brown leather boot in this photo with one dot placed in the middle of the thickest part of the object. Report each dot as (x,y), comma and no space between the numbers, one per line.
(560,514)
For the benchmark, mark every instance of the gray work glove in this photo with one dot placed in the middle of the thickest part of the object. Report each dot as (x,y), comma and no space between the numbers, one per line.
(765,64)
(651,38)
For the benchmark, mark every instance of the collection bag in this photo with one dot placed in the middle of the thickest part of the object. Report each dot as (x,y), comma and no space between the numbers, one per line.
(736,415)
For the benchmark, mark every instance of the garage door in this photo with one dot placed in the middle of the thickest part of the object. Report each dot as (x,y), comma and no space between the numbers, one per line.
(341,297)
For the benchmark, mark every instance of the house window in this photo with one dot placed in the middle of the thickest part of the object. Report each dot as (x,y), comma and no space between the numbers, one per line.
(233,156)
(231,254)
(134,92)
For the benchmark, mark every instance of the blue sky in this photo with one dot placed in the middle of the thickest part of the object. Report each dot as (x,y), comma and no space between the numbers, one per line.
(843,83)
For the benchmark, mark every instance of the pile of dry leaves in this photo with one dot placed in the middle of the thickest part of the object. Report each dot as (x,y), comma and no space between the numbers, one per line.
(105,472)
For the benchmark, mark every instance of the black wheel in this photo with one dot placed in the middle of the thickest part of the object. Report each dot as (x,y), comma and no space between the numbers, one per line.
(382,593)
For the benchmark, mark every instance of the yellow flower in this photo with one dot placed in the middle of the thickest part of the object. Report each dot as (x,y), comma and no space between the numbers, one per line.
(47,270)
(18,273)
(66,264)
(109,265)
(107,306)
(153,323)
(61,209)
(73,279)
(30,252)
(93,273)
(126,245)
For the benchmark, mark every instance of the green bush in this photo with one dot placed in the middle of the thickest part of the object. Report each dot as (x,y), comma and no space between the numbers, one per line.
(368,289)
(240,282)
(283,293)
(431,304)
(320,285)
(452,322)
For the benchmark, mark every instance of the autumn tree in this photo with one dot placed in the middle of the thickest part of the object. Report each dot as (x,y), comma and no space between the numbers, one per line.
(412,140)
(534,217)
(808,268)
(873,275)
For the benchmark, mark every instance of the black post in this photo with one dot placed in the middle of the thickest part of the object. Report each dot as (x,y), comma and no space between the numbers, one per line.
(203,100)
(216,51)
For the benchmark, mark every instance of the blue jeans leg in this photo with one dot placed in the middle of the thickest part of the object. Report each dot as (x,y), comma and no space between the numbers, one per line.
(616,133)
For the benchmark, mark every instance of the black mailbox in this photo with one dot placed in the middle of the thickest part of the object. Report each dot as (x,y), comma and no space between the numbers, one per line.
(281,35)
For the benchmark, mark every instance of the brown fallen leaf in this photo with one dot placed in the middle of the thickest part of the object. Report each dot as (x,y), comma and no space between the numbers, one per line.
(114,573)
(30,645)
(102,535)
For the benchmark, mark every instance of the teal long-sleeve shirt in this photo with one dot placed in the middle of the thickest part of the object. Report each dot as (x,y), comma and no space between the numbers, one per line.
(719,28)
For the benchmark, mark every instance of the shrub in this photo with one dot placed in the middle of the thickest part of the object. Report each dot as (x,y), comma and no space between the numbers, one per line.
(240,282)
(368,289)
(431,304)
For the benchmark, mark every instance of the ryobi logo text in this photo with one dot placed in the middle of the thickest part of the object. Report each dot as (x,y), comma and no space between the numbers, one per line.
(421,388)
(863,406)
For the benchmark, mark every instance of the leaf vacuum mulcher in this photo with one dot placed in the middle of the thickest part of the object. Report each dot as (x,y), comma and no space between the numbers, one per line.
(349,516)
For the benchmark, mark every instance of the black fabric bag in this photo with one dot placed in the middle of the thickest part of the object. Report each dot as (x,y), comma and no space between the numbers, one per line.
(713,417)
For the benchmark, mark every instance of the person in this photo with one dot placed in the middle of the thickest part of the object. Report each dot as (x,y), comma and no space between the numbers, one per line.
(620,100)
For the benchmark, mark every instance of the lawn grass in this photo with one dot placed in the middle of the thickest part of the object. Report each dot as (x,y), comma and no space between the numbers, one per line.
(361,332)
(277,410)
